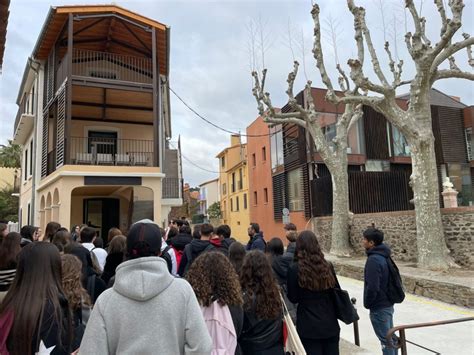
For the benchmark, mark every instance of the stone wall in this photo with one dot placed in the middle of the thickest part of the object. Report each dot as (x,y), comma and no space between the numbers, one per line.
(400,233)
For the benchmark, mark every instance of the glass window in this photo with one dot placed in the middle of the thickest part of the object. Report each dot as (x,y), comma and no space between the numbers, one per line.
(241,180)
(469,139)
(276,146)
(231,205)
(224,189)
(233,182)
(31,157)
(264,153)
(295,193)
(245,201)
(255,200)
(254,160)
(237,206)
(265,195)
(223,162)
(400,144)
(25,165)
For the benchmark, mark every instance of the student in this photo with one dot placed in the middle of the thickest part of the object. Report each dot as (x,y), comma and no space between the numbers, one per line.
(376,278)
(51,229)
(9,250)
(147,310)
(45,323)
(88,236)
(116,256)
(256,240)
(175,249)
(61,239)
(78,298)
(3,231)
(217,288)
(262,333)
(113,232)
(224,233)
(236,256)
(311,280)
(208,242)
(28,234)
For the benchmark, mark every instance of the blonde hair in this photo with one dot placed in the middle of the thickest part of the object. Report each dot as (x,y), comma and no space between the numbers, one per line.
(118,244)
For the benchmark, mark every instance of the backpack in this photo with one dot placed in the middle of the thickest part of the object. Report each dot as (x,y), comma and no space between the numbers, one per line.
(91,286)
(179,256)
(167,257)
(395,292)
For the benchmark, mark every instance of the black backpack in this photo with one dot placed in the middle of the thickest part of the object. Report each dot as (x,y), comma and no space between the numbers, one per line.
(395,293)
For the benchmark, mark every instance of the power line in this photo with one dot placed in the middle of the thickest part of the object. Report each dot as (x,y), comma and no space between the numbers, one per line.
(215,125)
(194,164)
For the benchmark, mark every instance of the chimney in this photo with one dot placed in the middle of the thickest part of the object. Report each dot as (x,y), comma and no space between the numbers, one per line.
(234,140)
(457,98)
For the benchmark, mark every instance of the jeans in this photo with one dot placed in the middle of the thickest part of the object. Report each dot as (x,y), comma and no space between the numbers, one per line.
(382,321)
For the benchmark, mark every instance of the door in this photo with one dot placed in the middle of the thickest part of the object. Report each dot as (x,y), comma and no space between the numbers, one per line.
(102,214)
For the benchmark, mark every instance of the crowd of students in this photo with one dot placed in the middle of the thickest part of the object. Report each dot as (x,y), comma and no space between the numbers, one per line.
(173,291)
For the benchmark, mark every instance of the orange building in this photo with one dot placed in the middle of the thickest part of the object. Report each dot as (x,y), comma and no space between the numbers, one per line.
(264,149)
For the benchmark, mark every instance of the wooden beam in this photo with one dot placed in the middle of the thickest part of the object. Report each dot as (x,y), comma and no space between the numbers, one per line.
(122,107)
(129,46)
(134,35)
(78,118)
(85,28)
(67,128)
(109,33)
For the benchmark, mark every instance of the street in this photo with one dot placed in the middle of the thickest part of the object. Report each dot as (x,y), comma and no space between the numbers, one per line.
(453,339)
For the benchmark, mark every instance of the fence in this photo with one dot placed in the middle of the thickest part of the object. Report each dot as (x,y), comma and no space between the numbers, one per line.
(369,192)
(171,187)
(111,151)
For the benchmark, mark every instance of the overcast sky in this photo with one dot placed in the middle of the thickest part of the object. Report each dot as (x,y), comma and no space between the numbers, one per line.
(210,61)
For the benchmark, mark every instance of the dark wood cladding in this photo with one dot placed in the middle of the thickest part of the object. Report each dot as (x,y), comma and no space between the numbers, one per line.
(437,135)
(113,180)
(294,146)
(369,192)
(452,137)
(279,196)
(375,132)
(306,191)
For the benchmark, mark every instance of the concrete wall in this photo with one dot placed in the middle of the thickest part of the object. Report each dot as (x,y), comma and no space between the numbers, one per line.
(400,233)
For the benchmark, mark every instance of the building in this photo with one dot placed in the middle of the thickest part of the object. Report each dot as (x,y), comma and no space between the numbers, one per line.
(4,13)
(233,180)
(208,195)
(379,162)
(94,121)
(264,161)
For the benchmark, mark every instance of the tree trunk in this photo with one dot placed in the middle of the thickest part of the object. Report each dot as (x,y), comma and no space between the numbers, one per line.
(432,250)
(340,244)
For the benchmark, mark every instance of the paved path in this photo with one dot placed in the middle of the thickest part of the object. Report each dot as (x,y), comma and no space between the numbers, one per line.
(453,339)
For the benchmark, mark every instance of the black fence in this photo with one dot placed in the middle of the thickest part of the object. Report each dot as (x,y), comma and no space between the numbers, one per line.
(369,192)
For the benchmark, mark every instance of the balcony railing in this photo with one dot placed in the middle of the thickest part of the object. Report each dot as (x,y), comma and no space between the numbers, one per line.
(111,66)
(111,151)
(171,187)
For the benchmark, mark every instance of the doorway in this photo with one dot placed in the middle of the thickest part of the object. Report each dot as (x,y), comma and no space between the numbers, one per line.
(102,214)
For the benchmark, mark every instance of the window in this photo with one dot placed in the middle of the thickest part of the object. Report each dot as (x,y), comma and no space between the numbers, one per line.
(224,189)
(255,198)
(469,139)
(25,165)
(237,207)
(241,180)
(233,182)
(245,201)
(400,144)
(264,153)
(31,157)
(28,215)
(33,100)
(265,195)
(254,160)
(276,146)
(231,205)
(330,132)
(223,162)
(295,195)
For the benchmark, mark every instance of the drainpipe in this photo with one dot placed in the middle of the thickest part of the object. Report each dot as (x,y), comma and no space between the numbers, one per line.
(31,61)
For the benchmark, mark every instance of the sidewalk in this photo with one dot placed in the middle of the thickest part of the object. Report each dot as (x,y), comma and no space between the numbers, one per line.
(453,339)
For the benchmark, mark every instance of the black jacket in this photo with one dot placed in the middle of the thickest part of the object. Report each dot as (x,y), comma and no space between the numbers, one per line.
(261,336)
(194,249)
(111,262)
(237,314)
(376,278)
(316,316)
(227,242)
(180,241)
(256,242)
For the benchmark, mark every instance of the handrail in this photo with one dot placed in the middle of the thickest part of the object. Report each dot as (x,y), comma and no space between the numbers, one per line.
(401,328)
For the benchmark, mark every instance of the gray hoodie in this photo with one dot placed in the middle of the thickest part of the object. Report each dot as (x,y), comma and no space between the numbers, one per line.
(147,312)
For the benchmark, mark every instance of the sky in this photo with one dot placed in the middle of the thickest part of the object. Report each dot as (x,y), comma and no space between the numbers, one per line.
(210,60)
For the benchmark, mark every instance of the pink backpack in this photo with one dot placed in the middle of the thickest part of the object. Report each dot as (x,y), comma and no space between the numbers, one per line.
(6,322)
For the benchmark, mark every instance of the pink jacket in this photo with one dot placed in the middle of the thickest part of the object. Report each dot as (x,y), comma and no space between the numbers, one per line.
(221,329)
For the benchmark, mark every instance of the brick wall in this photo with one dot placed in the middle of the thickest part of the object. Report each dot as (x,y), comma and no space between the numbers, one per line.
(400,234)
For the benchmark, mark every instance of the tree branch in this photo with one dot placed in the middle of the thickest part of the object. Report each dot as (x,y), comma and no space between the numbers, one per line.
(452,73)
(442,13)
(452,49)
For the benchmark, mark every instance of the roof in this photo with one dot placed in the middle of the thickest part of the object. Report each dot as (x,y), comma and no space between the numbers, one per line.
(4,13)
(97,26)
(231,147)
(209,181)
(438,98)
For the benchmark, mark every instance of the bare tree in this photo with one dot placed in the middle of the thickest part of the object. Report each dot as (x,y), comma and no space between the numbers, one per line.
(334,153)
(415,121)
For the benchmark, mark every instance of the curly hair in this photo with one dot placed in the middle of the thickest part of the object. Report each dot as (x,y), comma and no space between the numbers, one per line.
(261,294)
(213,277)
(314,272)
(71,280)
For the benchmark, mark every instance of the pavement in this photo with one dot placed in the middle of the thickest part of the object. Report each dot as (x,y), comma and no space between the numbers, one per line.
(452,339)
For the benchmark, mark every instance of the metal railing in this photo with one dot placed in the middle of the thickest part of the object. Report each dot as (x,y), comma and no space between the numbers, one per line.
(171,187)
(111,66)
(402,340)
(111,151)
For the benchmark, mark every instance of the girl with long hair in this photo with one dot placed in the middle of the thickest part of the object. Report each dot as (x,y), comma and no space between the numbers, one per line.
(217,288)
(51,229)
(41,317)
(236,255)
(9,250)
(262,333)
(311,280)
(116,255)
(77,296)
